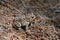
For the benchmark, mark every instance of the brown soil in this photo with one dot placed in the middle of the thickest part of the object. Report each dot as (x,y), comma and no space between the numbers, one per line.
(29,20)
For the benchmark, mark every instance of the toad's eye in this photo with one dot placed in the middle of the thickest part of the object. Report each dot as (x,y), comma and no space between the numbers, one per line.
(23,27)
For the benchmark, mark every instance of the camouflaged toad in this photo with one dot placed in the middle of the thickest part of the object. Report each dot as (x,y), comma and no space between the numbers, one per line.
(21,24)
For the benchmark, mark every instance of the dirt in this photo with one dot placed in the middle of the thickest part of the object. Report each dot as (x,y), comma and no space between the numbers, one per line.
(29,20)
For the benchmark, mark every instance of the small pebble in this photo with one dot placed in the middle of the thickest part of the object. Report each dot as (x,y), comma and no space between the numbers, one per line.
(57,11)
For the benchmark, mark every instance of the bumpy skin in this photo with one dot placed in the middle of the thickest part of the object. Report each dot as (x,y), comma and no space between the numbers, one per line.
(16,25)
(21,24)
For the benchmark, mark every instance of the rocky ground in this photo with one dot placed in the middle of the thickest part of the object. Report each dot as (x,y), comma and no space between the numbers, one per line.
(29,20)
